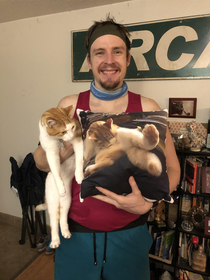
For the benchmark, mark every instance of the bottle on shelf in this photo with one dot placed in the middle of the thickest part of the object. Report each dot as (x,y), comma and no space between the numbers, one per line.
(186,205)
(206,205)
(199,259)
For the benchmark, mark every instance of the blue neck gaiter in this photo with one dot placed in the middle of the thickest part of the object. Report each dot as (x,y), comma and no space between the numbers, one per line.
(108,95)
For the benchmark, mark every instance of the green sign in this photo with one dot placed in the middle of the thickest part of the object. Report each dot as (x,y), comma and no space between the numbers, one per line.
(172,49)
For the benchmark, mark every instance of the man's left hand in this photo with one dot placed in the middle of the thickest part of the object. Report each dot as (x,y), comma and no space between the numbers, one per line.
(133,202)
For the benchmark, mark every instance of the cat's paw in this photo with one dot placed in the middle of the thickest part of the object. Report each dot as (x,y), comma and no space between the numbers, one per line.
(66,233)
(86,173)
(80,198)
(90,170)
(55,243)
(79,177)
(62,193)
(61,188)
(154,167)
(151,133)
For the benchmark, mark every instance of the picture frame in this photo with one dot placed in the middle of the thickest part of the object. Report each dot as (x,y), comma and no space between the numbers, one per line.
(205,179)
(207,226)
(182,107)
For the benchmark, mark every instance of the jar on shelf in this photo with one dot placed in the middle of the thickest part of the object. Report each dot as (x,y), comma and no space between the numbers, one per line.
(199,260)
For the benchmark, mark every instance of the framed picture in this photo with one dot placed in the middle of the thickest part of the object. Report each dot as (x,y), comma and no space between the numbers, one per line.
(205,179)
(182,107)
(207,226)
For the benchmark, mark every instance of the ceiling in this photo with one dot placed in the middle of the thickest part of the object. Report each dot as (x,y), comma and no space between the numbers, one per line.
(11,10)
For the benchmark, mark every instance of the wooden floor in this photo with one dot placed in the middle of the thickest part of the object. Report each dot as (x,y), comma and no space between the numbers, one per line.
(41,269)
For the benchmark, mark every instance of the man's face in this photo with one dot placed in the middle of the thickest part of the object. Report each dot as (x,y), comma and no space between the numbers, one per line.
(108,61)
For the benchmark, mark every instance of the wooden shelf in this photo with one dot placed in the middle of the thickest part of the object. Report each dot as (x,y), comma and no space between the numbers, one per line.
(191,153)
(195,231)
(194,194)
(160,259)
(189,268)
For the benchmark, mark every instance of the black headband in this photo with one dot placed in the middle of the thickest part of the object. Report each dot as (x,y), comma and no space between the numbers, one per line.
(105,30)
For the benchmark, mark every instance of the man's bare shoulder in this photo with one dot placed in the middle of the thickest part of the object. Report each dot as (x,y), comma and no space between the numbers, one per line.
(149,104)
(68,100)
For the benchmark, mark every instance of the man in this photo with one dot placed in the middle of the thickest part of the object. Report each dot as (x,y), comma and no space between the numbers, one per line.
(109,233)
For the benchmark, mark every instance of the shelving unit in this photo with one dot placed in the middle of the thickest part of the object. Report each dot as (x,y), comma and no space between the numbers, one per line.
(176,262)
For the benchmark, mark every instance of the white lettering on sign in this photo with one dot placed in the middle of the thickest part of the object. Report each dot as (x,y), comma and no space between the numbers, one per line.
(204,59)
(162,48)
(84,67)
(137,52)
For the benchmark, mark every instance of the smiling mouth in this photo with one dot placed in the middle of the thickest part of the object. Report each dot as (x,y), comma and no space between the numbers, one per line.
(108,72)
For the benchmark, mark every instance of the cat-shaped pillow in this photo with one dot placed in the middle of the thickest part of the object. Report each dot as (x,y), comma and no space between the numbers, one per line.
(121,145)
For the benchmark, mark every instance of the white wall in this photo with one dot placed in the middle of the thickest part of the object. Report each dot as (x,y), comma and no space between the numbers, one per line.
(35,73)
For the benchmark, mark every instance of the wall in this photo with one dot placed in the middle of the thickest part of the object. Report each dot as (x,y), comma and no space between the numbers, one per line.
(35,73)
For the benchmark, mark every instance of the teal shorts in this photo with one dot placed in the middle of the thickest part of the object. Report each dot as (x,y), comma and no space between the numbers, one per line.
(118,255)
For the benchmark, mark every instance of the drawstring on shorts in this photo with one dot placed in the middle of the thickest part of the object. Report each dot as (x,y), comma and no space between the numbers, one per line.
(94,248)
(105,245)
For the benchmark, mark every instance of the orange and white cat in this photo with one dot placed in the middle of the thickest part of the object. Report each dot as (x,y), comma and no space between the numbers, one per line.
(57,125)
(115,141)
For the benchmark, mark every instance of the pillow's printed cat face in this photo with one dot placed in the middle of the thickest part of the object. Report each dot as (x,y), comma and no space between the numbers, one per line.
(100,133)
(102,138)
(59,123)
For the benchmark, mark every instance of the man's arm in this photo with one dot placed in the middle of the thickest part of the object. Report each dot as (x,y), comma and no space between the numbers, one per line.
(67,150)
(172,163)
(41,160)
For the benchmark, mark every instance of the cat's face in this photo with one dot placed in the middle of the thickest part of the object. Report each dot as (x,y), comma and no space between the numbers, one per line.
(102,132)
(60,124)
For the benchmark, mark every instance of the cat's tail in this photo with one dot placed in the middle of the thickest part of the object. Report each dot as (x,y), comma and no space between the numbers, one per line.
(41,207)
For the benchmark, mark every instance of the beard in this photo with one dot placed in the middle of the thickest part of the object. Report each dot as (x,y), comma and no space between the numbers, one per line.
(109,85)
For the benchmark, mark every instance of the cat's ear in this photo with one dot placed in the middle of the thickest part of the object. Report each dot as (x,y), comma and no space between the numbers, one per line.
(92,137)
(68,110)
(109,122)
(51,123)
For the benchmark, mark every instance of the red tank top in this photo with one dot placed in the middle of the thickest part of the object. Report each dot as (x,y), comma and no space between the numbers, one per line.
(93,213)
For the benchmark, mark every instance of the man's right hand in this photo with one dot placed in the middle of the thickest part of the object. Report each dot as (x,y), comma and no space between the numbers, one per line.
(41,160)
(66,151)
